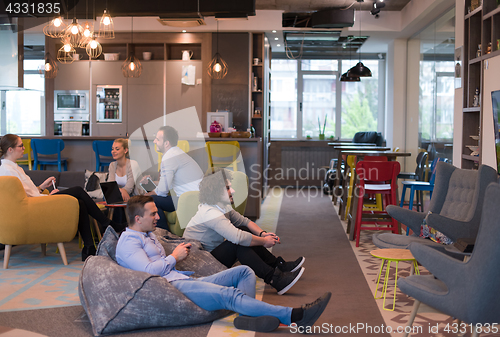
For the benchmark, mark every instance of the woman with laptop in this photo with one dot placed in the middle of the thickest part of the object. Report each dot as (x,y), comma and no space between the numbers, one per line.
(124,170)
(12,149)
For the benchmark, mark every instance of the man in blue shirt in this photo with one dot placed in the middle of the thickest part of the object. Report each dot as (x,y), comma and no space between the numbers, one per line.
(232,289)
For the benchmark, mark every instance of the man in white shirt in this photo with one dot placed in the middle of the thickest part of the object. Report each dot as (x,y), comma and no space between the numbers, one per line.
(179,172)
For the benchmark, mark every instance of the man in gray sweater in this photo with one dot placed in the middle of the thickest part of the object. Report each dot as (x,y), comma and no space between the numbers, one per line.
(230,236)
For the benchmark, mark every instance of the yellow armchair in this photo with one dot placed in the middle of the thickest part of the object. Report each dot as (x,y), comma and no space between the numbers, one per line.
(43,220)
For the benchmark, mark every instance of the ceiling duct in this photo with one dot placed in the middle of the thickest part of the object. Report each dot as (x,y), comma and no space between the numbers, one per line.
(183,22)
(171,10)
(333,18)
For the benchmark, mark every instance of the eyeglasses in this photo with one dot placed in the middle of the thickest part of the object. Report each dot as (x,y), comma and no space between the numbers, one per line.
(21,145)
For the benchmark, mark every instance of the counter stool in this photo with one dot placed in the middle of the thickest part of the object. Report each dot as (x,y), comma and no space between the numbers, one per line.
(392,255)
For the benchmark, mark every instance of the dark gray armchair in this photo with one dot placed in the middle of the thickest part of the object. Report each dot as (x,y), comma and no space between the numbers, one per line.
(468,290)
(456,206)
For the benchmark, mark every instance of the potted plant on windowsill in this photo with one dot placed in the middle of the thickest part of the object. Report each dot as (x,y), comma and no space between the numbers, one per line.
(322,134)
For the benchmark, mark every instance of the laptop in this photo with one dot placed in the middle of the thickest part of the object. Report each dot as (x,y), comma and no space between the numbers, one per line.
(112,194)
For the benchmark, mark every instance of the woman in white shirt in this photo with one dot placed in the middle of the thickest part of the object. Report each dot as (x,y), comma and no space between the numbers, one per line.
(12,149)
(124,170)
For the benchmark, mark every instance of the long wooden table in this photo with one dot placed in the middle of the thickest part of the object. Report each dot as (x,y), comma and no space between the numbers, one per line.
(360,154)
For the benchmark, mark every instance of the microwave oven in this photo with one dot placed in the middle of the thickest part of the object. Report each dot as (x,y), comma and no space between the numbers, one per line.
(76,101)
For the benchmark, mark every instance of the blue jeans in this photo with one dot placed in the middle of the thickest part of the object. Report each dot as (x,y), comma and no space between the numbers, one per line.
(232,289)
(163,204)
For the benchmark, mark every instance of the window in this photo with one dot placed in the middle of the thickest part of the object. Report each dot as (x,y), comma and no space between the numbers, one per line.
(307,97)
(359,101)
(24,110)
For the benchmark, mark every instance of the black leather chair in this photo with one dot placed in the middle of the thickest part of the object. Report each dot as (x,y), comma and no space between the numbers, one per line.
(368,137)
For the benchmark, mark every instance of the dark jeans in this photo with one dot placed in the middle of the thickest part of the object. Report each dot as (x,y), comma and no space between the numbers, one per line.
(258,258)
(87,207)
(163,204)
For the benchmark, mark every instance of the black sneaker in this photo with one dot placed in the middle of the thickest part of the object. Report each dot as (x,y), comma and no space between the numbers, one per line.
(291,266)
(258,324)
(283,281)
(313,310)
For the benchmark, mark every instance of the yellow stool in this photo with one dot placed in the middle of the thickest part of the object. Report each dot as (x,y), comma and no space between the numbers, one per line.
(27,150)
(392,255)
(351,161)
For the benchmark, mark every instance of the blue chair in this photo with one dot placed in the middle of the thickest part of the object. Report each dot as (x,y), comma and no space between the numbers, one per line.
(102,149)
(419,186)
(47,148)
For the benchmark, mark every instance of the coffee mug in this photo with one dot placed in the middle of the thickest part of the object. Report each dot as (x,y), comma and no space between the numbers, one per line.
(76,57)
(146,55)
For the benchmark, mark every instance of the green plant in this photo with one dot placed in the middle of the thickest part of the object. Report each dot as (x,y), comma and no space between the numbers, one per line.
(324,126)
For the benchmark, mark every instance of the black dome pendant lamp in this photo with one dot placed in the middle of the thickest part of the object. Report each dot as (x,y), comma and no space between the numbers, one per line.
(345,77)
(359,70)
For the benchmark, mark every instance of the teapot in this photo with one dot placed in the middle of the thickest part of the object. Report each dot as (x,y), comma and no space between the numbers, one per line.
(186,55)
(215,127)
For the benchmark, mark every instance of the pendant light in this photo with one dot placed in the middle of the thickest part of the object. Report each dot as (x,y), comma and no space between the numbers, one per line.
(217,68)
(88,29)
(66,52)
(132,67)
(55,28)
(93,47)
(359,70)
(345,77)
(74,31)
(106,26)
(49,69)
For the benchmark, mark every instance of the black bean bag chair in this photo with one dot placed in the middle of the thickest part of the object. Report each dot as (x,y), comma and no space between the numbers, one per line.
(118,299)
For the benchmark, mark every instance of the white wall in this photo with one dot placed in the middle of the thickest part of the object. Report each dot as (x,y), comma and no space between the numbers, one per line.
(396,94)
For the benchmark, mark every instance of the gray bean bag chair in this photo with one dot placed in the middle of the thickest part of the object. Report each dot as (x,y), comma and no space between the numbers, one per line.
(118,299)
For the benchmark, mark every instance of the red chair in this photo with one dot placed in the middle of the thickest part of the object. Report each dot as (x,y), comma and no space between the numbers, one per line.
(376,177)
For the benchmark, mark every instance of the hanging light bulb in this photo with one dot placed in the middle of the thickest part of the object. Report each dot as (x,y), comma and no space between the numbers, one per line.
(58,22)
(132,67)
(217,68)
(106,26)
(93,48)
(49,69)
(74,33)
(55,28)
(67,47)
(66,52)
(88,31)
